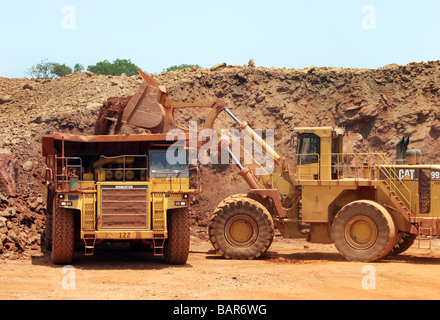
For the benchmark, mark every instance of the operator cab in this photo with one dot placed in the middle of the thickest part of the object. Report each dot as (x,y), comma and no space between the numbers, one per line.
(165,165)
(319,153)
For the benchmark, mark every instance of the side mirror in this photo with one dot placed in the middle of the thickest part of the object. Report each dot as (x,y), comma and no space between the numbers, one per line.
(292,139)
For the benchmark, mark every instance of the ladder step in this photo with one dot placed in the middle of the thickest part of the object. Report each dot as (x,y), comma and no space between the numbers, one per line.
(89,246)
(158,245)
(429,235)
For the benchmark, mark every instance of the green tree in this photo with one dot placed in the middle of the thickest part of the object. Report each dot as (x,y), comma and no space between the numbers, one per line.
(78,68)
(60,70)
(181,67)
(115,68)
(42,70)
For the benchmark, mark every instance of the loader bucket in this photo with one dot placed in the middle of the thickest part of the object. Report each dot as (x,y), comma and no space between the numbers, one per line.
(146,108)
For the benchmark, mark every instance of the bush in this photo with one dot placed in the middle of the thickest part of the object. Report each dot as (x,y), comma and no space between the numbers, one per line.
(181,67)
(116,68)
(50,70)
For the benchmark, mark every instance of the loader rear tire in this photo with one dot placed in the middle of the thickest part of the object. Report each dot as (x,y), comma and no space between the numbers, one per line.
(176,248)
(63,239)
(404,241)
(241,228)
(364,231)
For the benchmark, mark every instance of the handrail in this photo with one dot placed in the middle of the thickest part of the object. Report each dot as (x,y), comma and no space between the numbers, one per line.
(392,176)
(62,178)
(124,168)
(357,166)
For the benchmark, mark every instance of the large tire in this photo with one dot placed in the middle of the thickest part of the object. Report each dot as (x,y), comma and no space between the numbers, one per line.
(364,231)
(241,228)
(404,241)
(63,241)
(176,248)
(50,205)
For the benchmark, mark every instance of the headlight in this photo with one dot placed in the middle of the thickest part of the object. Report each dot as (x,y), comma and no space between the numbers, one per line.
(61,196)
(180,203)
(66,203)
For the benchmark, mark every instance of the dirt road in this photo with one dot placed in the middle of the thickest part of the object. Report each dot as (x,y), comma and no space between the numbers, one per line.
(292,269)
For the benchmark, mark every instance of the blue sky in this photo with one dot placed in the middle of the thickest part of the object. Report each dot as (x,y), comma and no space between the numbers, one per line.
(158,34)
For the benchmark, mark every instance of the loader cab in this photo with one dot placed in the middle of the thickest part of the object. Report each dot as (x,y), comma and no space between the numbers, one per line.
(318,153)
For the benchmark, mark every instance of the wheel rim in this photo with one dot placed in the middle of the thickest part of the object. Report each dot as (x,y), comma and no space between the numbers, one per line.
(361,232)
(241,231)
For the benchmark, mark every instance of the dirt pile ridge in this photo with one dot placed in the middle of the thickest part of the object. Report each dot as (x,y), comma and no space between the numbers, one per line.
(376,107)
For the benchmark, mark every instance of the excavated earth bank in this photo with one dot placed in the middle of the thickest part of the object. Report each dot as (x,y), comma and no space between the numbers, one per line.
(376,107)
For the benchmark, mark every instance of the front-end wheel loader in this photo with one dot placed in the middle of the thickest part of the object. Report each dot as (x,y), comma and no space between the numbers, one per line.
(363,203)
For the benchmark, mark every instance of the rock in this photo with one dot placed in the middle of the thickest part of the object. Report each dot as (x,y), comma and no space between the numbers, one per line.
(11,241)
(8,174)
(37,120)
(34,239)
(260,99)
(218,67)
(94,107)
(28,86)
(8,213)
(26,219)
(3,222)
(391,66)
(28,165)
(3,199)
(33,205)
(5,99)
(251,63)
(436,125)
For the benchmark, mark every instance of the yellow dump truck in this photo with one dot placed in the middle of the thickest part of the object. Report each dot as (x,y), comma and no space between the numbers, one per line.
(117,188)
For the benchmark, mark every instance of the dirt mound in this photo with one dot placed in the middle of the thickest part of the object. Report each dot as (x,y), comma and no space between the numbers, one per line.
(110,115)
(376,107)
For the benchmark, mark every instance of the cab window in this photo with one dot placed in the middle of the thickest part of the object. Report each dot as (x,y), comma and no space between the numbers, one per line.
(308,148)
(160,168)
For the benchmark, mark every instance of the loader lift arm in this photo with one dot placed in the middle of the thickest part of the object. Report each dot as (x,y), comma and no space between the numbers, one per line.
(267,187)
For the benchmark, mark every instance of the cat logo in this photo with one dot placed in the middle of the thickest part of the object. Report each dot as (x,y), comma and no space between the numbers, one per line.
(407,174)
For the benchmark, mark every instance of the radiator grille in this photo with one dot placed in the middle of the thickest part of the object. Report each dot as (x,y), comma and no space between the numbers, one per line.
(124,207)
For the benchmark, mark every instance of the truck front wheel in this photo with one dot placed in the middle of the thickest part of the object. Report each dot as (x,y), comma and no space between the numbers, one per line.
(63,236)
(176,248)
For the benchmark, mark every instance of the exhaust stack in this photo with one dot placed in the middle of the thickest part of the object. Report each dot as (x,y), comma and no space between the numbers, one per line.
(402,147)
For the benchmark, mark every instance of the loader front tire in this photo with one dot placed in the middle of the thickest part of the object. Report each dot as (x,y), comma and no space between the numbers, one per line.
(241,228)
(364,231)
(63,236)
